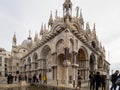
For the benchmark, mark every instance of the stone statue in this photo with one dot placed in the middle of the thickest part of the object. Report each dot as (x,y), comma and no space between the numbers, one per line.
(67,7)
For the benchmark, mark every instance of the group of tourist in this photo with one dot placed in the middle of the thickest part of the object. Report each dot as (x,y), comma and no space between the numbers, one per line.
(97,80)
(115,80)
(36,78)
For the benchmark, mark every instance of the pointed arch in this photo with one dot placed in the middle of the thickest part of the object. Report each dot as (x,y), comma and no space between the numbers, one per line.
(82,54)
(35,57)
(44,52)
(24,64)
(29,64)
(60,67)
(92,62)
(60,46)
(29,60)
(82,60)
(100,62)
(35,61)
(47,61)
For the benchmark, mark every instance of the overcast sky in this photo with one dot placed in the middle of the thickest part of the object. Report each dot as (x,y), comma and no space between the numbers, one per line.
(20,16)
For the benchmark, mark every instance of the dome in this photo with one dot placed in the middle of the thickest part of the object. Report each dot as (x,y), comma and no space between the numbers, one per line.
(27,43)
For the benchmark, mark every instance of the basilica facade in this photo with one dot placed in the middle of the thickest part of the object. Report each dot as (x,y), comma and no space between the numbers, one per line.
(67,47)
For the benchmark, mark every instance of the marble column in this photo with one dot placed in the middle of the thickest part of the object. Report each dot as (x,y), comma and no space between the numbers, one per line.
(54,65)
(74,64)
(66,64)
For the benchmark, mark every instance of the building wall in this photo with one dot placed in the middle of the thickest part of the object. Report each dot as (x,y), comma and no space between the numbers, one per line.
(51,55)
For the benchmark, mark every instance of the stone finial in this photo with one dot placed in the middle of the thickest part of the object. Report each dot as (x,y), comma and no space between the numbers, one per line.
(14,39)
(56,14)
(77,11)
(29,37)
(50,23)
(87,26)
(36,37)
(94,32)
(45,27)
(41,31)
(81,13)
(81,19)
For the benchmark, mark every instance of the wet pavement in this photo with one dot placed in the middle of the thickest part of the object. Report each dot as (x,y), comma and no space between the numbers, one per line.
(36,88)
(41,88)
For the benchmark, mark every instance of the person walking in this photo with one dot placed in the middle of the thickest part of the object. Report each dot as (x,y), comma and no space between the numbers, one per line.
(98,80)
(79,81)
(40,77)
(44,79)
(92,81)
(114,77)
(118,81)
(103,82)
(34,78)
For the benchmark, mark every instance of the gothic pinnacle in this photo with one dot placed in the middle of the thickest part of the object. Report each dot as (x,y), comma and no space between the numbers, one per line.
(41,31)
(50,20)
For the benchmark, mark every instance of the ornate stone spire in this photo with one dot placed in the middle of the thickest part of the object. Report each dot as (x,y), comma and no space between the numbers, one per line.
(56,14)
(45,28)
(29,35)
(77,11)
(41,31)
(36,37)
(94,32)
(81,19)
(14,39)
(50,23)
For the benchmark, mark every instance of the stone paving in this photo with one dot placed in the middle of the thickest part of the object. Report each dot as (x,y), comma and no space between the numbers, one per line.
(61,87)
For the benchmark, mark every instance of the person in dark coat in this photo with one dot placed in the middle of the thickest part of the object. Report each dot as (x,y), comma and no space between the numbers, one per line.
(103,82)
(114,77)
(118,81)
(34,78)
(79,79)
(98,80)
(92,81)
(8,79)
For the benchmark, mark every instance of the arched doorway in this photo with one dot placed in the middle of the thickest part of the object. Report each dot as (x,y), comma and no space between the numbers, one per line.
(82,63)
(47,62)
(60,69)
(35,62)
